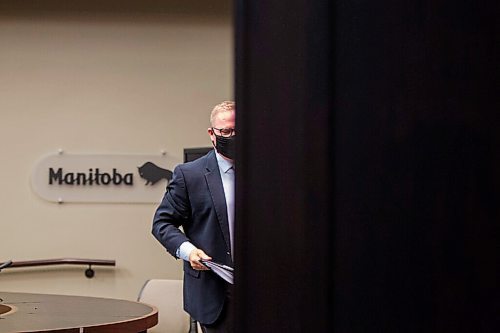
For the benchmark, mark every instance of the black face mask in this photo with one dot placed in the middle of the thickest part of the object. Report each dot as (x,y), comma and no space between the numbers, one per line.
(225,146)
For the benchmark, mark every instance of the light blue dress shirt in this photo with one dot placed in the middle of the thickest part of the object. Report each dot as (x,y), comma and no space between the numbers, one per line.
(226,170)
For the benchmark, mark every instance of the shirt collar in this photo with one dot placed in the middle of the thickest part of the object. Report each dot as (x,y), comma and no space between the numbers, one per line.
(224,164)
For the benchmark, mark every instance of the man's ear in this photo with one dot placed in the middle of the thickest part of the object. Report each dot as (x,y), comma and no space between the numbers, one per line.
(211,132)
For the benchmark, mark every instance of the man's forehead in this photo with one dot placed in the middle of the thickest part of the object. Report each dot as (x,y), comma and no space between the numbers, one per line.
(225,116)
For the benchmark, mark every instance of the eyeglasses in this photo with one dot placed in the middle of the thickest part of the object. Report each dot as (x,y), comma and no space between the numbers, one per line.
(225,132)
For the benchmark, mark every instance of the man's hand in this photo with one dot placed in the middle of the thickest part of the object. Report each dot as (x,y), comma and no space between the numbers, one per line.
(194,259)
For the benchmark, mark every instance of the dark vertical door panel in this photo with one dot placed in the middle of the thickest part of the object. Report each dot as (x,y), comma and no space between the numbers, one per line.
(283,167)
(368,166)
(417,166)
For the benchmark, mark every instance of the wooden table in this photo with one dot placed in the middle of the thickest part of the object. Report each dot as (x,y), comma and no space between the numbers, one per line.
(20,312)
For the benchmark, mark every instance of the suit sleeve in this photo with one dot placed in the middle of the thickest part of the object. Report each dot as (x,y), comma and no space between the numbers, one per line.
(173,212)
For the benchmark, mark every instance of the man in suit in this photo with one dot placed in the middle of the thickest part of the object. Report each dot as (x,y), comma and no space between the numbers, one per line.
(200,198)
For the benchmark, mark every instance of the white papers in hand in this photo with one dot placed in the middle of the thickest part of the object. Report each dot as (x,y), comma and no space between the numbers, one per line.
(223,271)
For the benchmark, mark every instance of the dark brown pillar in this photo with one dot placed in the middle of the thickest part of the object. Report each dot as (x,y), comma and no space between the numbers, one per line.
(368,166)
(284,168)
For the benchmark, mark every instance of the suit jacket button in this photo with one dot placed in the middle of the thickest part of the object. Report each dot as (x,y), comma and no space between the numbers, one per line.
(228,253)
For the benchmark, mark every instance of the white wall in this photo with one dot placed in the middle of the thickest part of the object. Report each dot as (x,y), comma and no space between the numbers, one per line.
(99,84)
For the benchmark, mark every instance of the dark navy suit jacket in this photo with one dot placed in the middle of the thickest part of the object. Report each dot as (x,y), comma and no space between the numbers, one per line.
(195,200)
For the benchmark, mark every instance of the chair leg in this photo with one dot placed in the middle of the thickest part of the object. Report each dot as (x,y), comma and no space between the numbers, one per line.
(193,328)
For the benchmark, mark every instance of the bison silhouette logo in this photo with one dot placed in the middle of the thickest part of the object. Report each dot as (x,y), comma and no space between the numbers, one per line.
(153,173)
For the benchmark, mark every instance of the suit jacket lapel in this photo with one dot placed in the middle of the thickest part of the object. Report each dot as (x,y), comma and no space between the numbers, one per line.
(214,182)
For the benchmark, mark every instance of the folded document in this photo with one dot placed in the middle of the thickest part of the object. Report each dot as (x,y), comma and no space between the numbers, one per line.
(223,271)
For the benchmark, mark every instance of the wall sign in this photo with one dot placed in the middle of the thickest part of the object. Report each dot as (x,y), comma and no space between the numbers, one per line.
(102,178)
